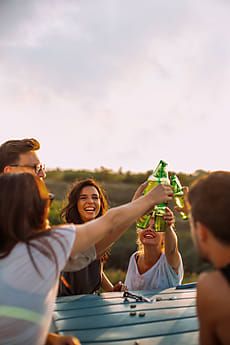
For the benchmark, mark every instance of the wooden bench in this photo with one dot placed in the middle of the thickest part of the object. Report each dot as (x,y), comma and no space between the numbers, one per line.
(170,318)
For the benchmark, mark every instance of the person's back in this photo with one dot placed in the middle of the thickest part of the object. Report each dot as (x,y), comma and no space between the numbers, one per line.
(26,295)
(213,303)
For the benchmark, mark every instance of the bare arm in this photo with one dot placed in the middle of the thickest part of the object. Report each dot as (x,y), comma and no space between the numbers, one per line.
(106,283)
(205,310)
(108,228)
(171,242)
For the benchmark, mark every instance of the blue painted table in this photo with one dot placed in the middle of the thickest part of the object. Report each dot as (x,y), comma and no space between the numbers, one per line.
(170,318)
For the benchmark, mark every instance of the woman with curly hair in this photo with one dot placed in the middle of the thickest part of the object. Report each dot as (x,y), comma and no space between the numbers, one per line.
(86,201)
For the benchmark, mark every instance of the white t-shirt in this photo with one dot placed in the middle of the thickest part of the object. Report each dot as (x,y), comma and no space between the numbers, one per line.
(26,297)
(160,276)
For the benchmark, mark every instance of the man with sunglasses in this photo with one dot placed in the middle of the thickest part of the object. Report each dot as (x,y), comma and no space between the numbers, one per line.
(20,156)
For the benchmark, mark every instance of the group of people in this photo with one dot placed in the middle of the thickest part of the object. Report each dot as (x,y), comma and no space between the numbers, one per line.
(39,262)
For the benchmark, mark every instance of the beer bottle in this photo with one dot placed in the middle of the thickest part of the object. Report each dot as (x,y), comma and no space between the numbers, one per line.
(158,176)
(178,195)
(159,222)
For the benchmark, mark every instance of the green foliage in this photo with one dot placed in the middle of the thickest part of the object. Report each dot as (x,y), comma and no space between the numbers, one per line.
(55,211)
(115,275)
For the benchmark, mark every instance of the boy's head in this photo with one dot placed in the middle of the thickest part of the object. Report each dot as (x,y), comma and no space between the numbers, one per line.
(209,199)
(20,156)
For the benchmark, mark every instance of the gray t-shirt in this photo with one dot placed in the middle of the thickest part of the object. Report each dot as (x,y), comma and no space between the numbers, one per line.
(27,298)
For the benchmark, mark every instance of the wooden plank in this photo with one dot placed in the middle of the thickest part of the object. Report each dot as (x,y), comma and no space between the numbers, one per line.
(189,338)
(96,310)
(124,319)
(178,290)
(107,320)
(133,332)
(92,301)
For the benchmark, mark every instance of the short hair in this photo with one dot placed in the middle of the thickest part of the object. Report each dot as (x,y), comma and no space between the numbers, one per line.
(11,150)
(209,198)
(70,212)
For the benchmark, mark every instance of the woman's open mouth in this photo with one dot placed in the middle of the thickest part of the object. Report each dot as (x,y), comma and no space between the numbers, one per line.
(149,234)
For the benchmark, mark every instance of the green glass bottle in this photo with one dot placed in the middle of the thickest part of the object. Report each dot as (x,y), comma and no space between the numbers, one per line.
(159,222)
(178,194)
(158,176)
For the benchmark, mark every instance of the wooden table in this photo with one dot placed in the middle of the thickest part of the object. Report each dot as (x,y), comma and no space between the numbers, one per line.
(170,318)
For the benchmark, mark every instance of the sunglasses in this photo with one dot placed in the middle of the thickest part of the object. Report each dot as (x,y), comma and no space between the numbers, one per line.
(38,168)
(51,197)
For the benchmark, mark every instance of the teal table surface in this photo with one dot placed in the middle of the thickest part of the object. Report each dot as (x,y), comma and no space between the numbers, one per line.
(169,318)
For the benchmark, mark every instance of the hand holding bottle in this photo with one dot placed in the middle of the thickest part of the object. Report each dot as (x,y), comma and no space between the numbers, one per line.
(158,176)
(140,190)
(160,194)
(169,217)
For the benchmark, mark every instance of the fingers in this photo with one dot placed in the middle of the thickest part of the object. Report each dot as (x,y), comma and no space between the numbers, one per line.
(120,286)
(140,190)
(161,193)
(57,339)
(72,341)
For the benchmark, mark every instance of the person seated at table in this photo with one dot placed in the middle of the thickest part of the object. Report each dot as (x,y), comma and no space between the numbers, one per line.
(86,201)
(157,263)
(32,254)
(209,199)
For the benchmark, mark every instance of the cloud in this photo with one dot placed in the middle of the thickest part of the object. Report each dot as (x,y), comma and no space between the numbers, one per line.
(125,83)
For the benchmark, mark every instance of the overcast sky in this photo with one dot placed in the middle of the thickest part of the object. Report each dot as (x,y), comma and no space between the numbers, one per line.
(118,83)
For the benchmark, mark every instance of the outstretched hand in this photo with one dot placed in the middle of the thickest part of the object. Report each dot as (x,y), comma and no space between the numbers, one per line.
(169,217)
(56,339)
(140,190)
(161,193)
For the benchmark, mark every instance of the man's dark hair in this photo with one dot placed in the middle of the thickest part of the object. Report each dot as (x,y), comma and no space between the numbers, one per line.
(11,150)
(209,198)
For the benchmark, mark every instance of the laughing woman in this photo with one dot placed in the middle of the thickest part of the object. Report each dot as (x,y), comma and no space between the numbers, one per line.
(86,201)
(157,264)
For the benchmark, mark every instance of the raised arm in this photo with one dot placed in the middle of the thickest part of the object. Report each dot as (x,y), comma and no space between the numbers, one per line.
(171,242)
(105,230)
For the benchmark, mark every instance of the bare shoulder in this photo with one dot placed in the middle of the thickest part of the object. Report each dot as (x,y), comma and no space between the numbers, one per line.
(214,283)
(213,304)
(213,287)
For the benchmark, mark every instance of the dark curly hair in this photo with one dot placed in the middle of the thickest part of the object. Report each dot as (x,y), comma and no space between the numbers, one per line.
(70,212)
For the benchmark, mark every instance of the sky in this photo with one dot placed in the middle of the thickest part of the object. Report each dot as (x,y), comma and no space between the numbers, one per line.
(118,83)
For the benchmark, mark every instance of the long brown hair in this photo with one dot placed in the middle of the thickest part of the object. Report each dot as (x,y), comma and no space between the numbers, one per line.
(24,207)
(70,212)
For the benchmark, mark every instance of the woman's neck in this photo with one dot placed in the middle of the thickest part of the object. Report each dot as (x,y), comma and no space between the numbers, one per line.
(148,258)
